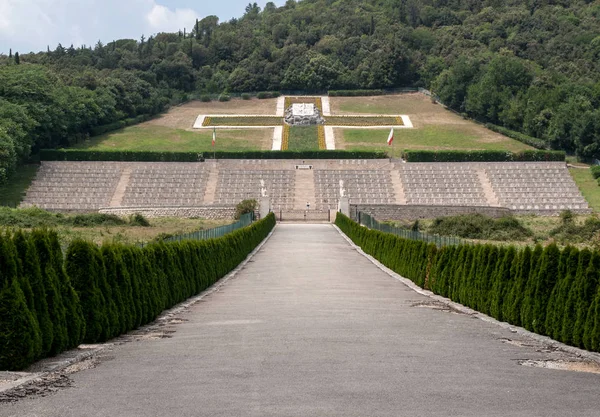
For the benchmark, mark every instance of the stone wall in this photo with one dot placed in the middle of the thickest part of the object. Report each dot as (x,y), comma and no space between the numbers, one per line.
(410,212)
(206,212)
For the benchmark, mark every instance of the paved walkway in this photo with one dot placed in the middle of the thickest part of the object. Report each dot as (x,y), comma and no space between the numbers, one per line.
(312,328)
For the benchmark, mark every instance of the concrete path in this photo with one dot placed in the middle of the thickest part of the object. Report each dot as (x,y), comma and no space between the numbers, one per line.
(312,328)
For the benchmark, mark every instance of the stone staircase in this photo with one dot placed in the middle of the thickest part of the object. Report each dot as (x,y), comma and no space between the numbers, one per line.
(117,198)
(488,190)
(211,185)
(304,189)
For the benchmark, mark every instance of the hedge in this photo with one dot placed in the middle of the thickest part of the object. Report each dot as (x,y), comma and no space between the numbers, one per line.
(549,291)
(483,156)
(355,93)
(151,156)
(100,130)
(48,305)
(268,94)
(527,140)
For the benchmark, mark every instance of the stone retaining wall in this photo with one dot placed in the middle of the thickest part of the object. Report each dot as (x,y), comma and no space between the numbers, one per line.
(206,212)
(413,212)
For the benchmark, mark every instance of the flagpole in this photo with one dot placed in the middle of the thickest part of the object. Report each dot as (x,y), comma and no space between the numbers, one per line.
(213,144)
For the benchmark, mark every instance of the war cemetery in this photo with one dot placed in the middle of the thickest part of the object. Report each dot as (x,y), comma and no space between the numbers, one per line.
(272,217)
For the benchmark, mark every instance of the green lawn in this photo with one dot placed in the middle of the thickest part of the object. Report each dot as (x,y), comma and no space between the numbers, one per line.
(366,107)
(363,121)
(588,185)
(303,138)
(428,137)
(160,138)
(12,194)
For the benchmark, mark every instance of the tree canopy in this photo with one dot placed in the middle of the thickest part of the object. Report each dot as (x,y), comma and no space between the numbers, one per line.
(529,65)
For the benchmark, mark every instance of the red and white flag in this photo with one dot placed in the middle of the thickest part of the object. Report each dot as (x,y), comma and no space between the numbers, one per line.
(214,136)
(391,137)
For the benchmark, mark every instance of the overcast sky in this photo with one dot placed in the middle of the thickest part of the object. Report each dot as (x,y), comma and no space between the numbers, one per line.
(31,25)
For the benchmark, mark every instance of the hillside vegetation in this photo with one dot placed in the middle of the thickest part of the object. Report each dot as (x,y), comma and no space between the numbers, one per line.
(532,66)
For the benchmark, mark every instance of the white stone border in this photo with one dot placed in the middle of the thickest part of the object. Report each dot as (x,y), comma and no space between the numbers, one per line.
(277,138)
(473,313)
(326,106)
(329,138)
(280,109)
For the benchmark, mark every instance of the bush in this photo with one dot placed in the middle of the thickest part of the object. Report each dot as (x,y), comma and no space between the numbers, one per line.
(595,171)
(149,156)
(138,219)
(246,96)
(482,156)
(205,98)
(478,226)
(355,93)
(245,206)
(528,140)
(550,291)
(224,97)
(268,94)
(101,293)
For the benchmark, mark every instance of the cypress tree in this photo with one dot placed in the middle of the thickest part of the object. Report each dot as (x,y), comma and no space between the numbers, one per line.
(589,288)
(546,279)
(591,335)
(576,293)
(52,285)
(20,340)
(73,309)
(530,286)
(136,295)
(509,299)
(25,285)
(567,267)
(456,275)
(112,314)
(124,283)
(502,283)
(486,279)
(83,269)
(31,269)
(110,263)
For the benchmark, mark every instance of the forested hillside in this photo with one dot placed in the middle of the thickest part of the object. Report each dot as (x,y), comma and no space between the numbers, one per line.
(531,66)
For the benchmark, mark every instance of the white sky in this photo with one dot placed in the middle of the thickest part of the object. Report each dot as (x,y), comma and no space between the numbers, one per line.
(31,25)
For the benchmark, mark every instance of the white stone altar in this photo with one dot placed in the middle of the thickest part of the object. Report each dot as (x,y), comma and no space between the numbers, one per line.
(303,114)
(303,109)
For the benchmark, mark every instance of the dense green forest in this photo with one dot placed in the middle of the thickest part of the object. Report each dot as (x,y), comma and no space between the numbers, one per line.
(532,66)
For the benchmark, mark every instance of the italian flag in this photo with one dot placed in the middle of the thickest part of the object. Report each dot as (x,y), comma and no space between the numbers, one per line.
(391,137)
(214,136)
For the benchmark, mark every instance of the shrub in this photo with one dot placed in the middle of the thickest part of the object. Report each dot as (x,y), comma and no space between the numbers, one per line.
(355,93)
(205,98)
(595,170)
(478,226)
(268,94)
(138,219)
(245,206)
(246,96)
(224,97)
(528,140)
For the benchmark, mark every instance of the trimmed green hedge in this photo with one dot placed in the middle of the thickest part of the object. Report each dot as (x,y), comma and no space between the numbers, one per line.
(148,156)
(47,306)
(355,93)
(268,94)
(527,140)
(548,291)
(100,130)
(483,156)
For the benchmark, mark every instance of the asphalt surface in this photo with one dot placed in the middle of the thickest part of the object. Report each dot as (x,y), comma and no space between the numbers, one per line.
(312,328)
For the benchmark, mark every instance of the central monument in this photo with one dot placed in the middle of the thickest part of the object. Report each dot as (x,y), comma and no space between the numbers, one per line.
(303,114)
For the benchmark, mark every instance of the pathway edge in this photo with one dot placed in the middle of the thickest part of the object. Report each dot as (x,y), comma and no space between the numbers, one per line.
(592,356)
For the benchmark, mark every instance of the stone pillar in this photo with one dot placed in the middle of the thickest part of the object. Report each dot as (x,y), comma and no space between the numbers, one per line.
(344,206)
(265,207)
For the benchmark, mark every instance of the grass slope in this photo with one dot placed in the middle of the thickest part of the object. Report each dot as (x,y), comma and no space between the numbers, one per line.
(12,193)
(160,138)
(588,185)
